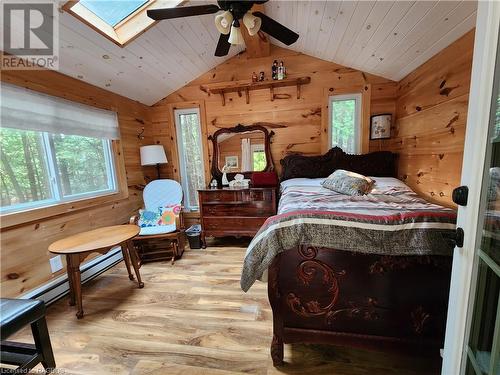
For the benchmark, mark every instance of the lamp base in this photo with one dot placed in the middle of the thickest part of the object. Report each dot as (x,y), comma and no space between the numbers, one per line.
(158,170)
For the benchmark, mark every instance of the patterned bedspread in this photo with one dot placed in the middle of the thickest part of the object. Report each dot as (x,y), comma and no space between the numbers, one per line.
(391,220)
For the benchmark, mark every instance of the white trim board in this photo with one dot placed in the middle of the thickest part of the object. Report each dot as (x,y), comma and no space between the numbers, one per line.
(59,287)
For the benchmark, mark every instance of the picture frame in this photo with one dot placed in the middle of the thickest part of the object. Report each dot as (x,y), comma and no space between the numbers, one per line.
(380,126)
(231,161)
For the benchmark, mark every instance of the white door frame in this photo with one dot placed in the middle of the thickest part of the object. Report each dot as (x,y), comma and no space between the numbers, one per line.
(483,68)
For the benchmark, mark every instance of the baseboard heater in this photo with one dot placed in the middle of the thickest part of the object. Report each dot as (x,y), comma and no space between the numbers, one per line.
(59,287)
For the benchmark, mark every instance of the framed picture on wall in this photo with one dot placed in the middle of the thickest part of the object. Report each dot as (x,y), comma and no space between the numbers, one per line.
(232,162)
(380,126)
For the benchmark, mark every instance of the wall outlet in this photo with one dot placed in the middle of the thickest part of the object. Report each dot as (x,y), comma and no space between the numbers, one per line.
(56,263)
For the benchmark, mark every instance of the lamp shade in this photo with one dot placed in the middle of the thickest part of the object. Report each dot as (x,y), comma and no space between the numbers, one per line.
(252,23)
(223,22)
(235,37)
(152,155)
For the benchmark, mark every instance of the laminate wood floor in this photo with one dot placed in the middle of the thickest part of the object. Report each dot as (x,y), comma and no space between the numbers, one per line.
(192,318)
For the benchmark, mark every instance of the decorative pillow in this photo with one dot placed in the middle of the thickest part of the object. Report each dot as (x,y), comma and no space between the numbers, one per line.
(349,183)
(148,218)
(168,214)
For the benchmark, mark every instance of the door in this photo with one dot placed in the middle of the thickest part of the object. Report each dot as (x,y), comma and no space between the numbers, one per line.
(482,345)
(472,344)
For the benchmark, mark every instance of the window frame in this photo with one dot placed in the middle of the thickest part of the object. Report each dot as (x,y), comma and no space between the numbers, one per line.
(124,31)
(259,147)
(54,181)
(177,112)
(358,128)
(55,208)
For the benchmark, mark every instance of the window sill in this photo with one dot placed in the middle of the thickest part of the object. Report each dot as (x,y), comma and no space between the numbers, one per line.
(30,215)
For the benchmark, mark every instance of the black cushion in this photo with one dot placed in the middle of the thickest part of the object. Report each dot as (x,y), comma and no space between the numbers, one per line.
(17,313)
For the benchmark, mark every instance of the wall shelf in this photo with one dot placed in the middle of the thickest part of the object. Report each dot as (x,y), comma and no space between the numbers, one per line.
(246,87)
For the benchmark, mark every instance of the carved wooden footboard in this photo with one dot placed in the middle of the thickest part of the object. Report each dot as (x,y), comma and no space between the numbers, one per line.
(371,301)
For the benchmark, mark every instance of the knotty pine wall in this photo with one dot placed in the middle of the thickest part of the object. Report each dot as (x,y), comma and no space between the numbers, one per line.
(24,257)
(429,107)
(297,123)
(431,115)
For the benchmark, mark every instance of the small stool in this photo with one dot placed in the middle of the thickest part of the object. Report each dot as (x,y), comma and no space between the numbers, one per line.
(16,314)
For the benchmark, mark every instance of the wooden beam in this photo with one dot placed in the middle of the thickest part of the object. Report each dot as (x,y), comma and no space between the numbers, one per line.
(257,45)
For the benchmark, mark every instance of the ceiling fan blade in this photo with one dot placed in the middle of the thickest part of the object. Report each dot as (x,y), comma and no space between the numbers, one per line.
(167,13)
(222,46)
(276,29)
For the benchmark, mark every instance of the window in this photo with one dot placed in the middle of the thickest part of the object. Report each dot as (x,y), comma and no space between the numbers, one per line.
(112,12)
(53,150)
(345,116)
(259,161)
(187,123)
(40,168)
(118,20)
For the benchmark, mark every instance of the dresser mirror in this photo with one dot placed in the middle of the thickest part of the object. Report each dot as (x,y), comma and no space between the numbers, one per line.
(241,149)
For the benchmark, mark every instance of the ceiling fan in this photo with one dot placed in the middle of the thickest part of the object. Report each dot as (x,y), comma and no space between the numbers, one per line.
(228,22)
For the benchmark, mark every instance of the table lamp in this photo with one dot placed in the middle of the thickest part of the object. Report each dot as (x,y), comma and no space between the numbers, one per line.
(153,155)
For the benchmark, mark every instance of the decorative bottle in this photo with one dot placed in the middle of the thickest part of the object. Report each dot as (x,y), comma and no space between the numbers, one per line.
(281,71)
(274,70)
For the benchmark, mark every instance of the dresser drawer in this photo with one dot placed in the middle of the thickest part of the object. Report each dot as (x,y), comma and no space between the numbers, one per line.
(260,195)
(221,196)
(239,195)
(233,224)
(256,209)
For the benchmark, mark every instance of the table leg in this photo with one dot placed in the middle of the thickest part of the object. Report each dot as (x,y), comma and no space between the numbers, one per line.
(70,282)
(74,271)
(126,259)
(135,262)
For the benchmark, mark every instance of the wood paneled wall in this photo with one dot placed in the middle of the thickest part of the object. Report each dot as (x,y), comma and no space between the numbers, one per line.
(24,257)
(429,105)
(297,123)
(431,115)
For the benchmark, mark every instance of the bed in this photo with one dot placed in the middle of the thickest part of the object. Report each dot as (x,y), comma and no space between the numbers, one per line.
(370,271)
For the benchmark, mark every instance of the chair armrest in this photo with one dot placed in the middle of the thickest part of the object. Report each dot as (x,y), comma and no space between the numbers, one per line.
(134,219)
(179,220)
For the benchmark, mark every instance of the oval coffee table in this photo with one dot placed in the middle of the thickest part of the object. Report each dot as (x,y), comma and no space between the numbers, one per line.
(77,247)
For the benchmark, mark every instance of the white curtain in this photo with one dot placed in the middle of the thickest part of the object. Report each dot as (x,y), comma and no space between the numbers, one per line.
(29,110)
(246,155)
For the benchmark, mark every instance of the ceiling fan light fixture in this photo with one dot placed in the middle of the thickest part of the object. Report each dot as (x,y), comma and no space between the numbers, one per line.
(223,22)
(252,23)
(236,37)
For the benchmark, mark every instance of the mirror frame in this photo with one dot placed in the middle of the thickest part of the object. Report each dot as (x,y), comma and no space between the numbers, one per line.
(217,173)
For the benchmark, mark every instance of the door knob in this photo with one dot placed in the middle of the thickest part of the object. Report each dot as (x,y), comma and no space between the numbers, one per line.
(460,195)
(458,237)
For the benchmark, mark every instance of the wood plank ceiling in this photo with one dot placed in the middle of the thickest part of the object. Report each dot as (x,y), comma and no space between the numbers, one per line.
(387,38)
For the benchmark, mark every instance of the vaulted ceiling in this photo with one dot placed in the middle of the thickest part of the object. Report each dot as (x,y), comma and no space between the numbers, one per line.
(387,38)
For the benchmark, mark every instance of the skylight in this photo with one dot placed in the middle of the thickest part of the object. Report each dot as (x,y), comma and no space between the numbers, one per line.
(121,21)
(112,12)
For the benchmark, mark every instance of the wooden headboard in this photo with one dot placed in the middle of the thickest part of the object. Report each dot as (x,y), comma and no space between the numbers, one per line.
(378,164)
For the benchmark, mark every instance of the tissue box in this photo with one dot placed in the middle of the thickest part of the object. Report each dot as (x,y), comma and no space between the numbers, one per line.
(264,179)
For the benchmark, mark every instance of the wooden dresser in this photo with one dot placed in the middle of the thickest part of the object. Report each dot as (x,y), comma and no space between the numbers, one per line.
(235,211)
